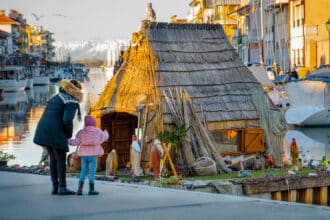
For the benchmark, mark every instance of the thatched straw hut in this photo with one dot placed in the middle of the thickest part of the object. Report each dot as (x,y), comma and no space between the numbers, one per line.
(166,59)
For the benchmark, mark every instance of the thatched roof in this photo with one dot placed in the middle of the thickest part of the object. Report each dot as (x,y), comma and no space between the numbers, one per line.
(196,57)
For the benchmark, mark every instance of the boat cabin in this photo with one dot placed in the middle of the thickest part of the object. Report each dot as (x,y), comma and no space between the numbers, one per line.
(12,73)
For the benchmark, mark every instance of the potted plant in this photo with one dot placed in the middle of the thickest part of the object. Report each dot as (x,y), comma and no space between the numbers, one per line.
(5,157)
(173,136)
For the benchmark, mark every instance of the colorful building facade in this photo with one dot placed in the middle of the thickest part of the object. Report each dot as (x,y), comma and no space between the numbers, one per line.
(288,33)
(309,38)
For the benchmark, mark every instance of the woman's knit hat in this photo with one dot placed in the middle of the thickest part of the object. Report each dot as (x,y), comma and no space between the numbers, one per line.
(90,121)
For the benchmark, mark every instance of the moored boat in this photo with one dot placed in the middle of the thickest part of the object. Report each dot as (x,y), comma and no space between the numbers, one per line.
(40,76)
(79,69)
(29,83)
(12,78)
(310,99)
(60,73)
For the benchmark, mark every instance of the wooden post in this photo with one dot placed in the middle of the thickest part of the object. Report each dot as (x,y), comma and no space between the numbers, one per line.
(285,196)
(306,196)
(321,195)
(293,196)
(167,156)
(144,128)
(277,196)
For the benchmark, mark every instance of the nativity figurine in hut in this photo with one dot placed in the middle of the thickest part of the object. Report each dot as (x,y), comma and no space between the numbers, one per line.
(112,164)
(136,157)
(156,153)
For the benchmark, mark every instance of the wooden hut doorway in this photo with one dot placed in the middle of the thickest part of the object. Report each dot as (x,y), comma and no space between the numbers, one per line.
(121,127)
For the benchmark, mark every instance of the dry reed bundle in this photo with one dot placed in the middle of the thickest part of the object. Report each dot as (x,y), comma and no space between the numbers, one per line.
(198,142)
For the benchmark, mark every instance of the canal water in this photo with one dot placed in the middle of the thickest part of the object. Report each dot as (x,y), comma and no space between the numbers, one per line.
(20,112)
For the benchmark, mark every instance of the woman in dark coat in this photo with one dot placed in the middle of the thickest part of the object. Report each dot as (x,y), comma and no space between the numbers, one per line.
(54,129)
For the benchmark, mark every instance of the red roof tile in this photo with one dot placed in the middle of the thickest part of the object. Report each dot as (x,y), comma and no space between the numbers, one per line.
(6,20)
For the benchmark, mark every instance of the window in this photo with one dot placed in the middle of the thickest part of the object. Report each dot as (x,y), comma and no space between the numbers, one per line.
(228,140)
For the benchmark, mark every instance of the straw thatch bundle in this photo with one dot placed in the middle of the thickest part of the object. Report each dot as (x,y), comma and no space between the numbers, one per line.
(197,142)
(133,82)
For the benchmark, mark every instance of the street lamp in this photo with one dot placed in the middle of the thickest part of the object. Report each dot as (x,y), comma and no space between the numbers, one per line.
(328,28)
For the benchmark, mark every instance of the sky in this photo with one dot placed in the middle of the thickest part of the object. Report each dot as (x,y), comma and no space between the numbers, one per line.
(94,19)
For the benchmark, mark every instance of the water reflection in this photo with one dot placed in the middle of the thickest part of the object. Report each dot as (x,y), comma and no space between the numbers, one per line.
(20,113)
(13,107)
(314,142)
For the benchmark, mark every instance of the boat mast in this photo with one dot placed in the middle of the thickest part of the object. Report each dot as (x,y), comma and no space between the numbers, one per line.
(262,32)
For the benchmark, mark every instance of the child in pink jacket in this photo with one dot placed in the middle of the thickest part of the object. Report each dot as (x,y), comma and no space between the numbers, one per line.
(90,139)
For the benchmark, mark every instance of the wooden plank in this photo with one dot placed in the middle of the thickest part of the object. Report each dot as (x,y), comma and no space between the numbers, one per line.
(274,184)
(253,140)
(306,195)
(321,196)
(277,196)
(234,160)
(293,196)
(285,196)
(230,153)
(167,156)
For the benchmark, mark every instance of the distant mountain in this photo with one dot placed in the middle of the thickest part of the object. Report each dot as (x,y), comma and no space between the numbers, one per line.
(79,50)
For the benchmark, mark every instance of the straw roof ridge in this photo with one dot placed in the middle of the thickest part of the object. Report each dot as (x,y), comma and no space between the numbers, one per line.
(178,26)
(196,51)
(180,42)
(207,84)
(194,70)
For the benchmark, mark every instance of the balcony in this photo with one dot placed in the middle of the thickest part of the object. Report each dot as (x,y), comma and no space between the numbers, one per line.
(227,2)
(297,32)
(274,3)
(228,22)
(311,30)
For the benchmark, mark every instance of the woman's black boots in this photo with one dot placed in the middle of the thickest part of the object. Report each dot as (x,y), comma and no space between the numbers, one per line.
(80,188)
(64,191)
(91,190)
(55,189)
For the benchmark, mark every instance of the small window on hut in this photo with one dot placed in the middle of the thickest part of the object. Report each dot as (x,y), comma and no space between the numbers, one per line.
(227,141)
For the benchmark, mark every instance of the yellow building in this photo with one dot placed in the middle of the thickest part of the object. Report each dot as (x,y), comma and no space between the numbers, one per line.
(309,38)
(35,36)
(175,19)
(216,12)
(202,11)
(223,14)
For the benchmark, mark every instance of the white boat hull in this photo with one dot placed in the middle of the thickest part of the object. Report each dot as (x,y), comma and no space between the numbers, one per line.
(13,85)
(29,83)
(309,103)
(41,80)
(12,98)
(310,116)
